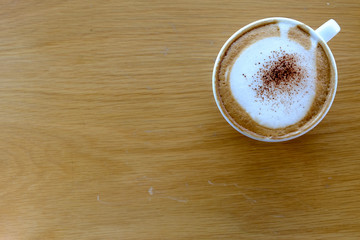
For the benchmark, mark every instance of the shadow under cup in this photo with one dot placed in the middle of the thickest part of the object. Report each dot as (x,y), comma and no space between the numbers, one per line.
(238,117)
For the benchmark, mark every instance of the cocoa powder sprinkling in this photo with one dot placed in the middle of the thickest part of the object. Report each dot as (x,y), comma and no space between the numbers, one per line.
(279,75)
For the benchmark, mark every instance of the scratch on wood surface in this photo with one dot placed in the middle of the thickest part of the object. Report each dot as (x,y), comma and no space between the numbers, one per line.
(151,191)
(145,180)
(235,185)
(176,199)
(291,196)
(100,201)
(162,194)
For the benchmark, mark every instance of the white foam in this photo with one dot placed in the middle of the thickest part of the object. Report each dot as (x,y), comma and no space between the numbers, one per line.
(284,29)
(284,110)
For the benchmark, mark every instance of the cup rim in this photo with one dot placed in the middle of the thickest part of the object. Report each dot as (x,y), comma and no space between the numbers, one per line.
(317,119)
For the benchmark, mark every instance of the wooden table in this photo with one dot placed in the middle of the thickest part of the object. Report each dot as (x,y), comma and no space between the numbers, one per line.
(109,129)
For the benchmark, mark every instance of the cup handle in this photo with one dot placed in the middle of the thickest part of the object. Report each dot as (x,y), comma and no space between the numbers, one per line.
(328,30)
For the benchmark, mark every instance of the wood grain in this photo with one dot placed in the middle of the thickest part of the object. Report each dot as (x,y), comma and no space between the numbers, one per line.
(109,129)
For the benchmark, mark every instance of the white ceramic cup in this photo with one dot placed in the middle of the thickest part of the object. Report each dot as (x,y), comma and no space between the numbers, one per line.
(325,33)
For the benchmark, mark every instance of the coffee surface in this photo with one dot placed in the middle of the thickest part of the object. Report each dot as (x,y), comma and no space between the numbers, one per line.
(270,80)
(274,80)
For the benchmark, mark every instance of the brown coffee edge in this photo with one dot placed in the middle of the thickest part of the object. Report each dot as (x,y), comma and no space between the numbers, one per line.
(232,109)
(300,35)
(325,87)
(235,113)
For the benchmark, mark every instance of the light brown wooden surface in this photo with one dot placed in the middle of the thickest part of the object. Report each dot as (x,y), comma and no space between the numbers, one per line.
(109,129)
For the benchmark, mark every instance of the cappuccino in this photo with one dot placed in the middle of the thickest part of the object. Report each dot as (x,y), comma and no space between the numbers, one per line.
(274,79)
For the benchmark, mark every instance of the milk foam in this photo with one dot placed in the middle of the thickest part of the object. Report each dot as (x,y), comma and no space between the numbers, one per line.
(285,109)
